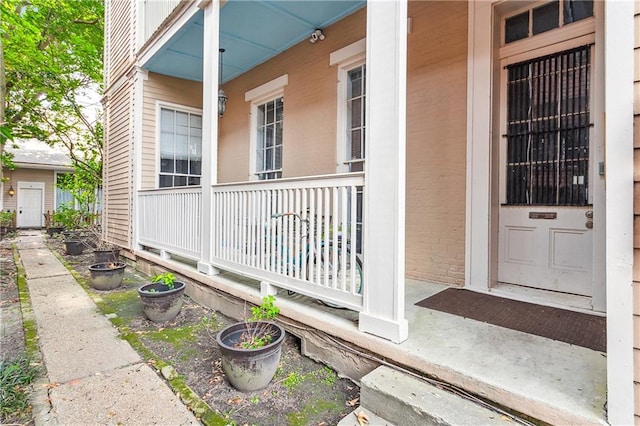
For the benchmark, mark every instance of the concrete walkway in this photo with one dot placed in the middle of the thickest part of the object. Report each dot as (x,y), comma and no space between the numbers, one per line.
(93,377)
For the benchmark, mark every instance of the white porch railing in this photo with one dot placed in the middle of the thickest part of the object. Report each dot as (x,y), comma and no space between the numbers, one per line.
(298,234)
(155,12)
(169,220)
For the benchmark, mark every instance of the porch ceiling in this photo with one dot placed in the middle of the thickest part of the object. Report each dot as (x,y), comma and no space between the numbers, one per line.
(251,32)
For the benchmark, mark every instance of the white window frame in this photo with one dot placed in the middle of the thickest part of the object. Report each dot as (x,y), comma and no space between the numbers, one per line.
(345,59)
(257,96)
(178,108)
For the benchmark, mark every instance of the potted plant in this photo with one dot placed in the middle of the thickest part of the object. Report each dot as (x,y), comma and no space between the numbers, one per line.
(6,222)
(102,250)
(107,275)
(251,349)
(162,299)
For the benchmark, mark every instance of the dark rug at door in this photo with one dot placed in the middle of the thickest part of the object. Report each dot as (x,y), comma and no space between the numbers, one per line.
(576,328)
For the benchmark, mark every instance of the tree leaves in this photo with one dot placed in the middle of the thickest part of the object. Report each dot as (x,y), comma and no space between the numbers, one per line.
(52,51)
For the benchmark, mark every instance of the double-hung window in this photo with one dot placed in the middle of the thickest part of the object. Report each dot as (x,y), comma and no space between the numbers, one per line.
(267,128)
(180,147)
(269,119)
(351,129)
(355,148)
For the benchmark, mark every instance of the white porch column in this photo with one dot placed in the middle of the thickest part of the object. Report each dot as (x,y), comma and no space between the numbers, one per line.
(618,135)
(140,76)
(384,204)
(209,126)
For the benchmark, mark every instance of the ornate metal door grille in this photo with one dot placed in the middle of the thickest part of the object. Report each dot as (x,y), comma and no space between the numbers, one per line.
(548,128)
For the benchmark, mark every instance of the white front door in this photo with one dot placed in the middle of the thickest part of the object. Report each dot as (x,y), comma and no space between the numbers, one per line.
(30,204)
(547,179)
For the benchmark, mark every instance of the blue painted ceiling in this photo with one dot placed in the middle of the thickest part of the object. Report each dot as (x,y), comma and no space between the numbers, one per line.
(251,32)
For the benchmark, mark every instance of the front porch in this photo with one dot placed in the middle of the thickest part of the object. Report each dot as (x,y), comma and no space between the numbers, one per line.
(548,380)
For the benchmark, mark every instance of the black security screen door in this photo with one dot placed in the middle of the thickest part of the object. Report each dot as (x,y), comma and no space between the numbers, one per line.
(548,130)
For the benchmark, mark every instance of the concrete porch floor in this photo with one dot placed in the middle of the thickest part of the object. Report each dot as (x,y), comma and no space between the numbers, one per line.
(548,380)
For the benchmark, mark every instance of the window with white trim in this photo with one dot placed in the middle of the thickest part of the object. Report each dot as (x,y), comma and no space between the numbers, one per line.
(180,147)
(351,98)
(355,119)
(545,16)
(269,119)
(351,128)
(267,128)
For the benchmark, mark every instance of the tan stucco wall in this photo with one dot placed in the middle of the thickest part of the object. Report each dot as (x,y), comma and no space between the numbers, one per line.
(309,106)
(29,175)
(436,141)
(436,116)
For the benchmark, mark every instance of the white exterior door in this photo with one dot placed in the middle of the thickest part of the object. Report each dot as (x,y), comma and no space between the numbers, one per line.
(546,248)
(30,204)
(547,180)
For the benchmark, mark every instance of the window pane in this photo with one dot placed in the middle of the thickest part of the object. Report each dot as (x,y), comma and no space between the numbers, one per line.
(179,181)
(269,139)
(516,27)
(268,157)
(355,83)
(270,112)
(166,181)
(166,165)
(166,120)
(278,140)
(194,181)
(195,167)
(546,17)
(279,109)
(260,120)
(576,10)
(356,151)
(278,157)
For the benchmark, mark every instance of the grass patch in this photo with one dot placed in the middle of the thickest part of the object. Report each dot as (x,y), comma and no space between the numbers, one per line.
(16,377)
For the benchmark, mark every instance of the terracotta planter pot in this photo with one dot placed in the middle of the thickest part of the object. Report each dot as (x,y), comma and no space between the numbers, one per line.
(107,275)
(249,369)
(159,303)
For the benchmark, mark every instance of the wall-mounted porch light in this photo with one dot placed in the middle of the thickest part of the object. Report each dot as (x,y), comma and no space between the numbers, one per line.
(11,191)
(222,97)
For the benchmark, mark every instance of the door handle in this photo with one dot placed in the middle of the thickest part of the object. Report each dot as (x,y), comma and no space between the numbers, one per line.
(589,224)
(589,214)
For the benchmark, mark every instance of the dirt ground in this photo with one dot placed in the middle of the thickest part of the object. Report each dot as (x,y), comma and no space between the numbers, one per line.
(303,392)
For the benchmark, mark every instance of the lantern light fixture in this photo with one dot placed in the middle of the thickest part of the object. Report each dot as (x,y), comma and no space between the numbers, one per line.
(222,97)
(11,191)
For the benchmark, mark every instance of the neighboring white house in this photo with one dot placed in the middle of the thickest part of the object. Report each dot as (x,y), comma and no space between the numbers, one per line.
(30,189)
(486,145)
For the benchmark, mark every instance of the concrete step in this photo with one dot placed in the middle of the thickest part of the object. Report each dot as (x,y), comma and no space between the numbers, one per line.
(371,419)
(405,400)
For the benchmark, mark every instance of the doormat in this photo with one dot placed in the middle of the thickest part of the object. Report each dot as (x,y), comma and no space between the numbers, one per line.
(576,328)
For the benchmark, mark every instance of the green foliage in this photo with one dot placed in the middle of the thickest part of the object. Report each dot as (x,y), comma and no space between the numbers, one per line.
(67,217)
(6,218)
(167,279)
(260,335)
(292,380)
(53,53)
(15,378)
(267,311)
